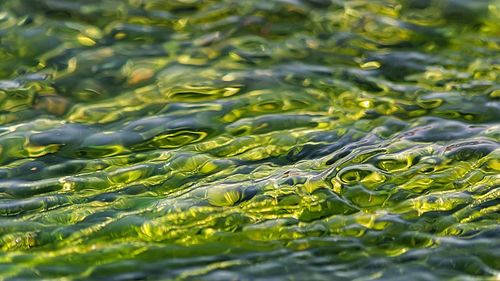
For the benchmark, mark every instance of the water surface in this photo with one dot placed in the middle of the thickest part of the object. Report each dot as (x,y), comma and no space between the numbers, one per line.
(249,140)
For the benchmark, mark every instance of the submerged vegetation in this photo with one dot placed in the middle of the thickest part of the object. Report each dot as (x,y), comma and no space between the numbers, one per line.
(249,140)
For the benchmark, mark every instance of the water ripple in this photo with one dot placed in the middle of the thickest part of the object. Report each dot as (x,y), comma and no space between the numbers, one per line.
(249,140)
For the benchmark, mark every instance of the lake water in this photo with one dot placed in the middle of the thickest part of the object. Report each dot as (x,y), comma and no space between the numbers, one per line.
(249,140)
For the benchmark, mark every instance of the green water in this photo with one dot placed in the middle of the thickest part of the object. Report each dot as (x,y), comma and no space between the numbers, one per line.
(249,140)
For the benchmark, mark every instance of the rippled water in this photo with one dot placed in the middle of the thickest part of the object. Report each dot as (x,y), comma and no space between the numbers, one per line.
(249,140)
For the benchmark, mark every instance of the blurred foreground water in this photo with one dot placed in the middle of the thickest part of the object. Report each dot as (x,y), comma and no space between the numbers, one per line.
(249,140)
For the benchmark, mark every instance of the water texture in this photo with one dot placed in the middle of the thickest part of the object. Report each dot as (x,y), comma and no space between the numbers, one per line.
(249,140)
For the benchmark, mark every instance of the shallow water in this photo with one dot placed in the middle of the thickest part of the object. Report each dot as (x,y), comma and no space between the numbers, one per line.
(249,140)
